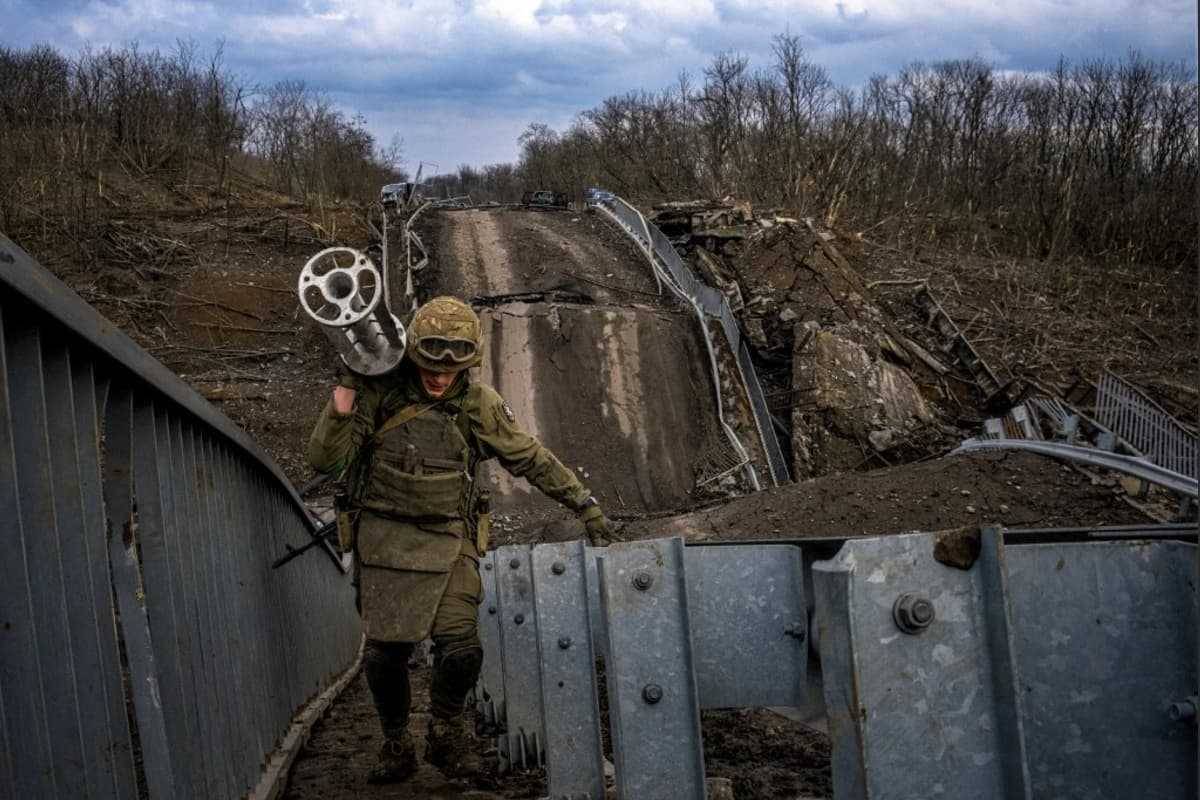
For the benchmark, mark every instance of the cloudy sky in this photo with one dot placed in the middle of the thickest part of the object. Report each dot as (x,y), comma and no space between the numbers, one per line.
(460,79)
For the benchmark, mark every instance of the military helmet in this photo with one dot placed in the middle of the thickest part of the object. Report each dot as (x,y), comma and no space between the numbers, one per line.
(445,336)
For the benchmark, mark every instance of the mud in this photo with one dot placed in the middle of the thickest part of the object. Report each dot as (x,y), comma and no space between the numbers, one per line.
(342,745)
(1011,489)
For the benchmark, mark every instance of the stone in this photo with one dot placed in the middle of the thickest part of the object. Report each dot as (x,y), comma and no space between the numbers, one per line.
(881,440)
(958,548)
(720,789)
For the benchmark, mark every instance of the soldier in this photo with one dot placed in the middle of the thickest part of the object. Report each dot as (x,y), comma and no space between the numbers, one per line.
(410,443)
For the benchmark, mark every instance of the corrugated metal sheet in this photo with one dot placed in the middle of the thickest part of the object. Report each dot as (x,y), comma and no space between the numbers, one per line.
(139,525)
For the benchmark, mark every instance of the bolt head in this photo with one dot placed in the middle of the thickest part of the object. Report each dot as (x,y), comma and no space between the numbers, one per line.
(642,581)
(487,565)
(491,609)
(564,642)
(652,693)
(558,568)
(1183,710)
(913,612)
(515,563)
(519,619)
(921,612)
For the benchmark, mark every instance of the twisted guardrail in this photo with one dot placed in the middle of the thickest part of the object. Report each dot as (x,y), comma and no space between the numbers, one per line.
(706,302)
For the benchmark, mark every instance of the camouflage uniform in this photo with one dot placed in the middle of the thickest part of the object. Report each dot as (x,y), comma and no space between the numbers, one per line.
(414,487)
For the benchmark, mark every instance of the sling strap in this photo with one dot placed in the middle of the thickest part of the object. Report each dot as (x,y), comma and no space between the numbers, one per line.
(411,412)
(406,414)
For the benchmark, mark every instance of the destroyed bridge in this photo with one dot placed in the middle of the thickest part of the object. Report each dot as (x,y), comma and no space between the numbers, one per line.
(150,650)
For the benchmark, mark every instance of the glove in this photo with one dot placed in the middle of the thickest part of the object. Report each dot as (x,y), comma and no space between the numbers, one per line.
(599,534)
(346,377)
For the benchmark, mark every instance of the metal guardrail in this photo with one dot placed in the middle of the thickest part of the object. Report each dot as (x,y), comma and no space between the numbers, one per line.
(411,240)
(138,530)
(679,629)
(1052,663)
(1130,414)
(669,268)
(1181,484)
(1042,670)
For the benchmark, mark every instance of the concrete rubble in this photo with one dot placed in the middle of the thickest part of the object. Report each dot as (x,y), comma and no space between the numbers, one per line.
(860,384)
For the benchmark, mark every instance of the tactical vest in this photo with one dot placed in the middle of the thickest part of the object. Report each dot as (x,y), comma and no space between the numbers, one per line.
(422,470)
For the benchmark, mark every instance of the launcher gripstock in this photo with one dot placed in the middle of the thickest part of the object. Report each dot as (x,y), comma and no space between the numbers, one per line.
(342,289)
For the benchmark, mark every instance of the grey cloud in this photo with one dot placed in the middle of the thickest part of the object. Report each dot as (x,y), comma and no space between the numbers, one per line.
(489,80)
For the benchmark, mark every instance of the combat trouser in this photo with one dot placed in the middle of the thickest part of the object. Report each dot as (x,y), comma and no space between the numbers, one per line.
(457,655)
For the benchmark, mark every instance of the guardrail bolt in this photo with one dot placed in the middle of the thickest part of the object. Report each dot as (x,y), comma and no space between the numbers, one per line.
(642,581)
(912,612)
(491,609)
(558,568)
(515,563)
(564,642)
(652,693)
(1183,710)
(487,565)
(519,618)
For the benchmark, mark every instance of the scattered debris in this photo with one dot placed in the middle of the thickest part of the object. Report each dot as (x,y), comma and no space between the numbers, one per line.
(997,394)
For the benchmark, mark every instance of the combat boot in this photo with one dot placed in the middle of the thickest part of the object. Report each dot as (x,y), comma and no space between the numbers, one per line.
(397,761)
(452,748)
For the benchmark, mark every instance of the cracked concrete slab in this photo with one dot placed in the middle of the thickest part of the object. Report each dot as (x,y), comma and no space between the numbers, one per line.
(612,391)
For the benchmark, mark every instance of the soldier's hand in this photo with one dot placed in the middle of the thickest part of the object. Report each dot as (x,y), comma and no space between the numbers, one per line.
(599,533)
(343,400)
(345,391)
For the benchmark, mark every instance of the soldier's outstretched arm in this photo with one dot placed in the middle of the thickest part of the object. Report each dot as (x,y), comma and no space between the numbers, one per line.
(522,455)
(343,425)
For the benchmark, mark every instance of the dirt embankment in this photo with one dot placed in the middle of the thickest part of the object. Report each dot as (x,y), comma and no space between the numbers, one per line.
(204,279)
(1016,490)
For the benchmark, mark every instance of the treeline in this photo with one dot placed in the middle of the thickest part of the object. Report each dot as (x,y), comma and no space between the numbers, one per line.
(66,123)
(1097,159)
(501,182)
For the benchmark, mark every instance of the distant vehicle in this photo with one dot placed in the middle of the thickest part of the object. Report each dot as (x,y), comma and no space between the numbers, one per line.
(595,196)
(544,198)
(395,194)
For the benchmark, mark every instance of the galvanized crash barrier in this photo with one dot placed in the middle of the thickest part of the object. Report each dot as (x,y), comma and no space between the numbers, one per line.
(1044,670)
(139,526)
(1042,664)
(678,629)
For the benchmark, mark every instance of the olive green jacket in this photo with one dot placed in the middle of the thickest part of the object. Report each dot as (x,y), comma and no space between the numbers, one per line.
(405,564)
(494,433)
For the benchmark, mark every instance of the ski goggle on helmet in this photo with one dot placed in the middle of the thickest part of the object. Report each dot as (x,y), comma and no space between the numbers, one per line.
(445,336)
(441,348)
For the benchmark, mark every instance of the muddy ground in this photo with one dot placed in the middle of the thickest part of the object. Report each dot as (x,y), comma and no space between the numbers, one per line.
(1012,489)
